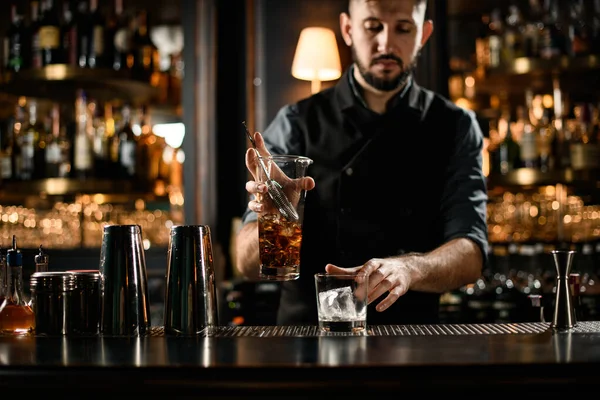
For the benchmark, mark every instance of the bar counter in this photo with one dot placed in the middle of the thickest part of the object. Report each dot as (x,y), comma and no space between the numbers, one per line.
(296,362)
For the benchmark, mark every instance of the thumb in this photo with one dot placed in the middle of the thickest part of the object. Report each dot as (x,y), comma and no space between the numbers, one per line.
(252,162)
(333,269)
(260,144)
(252,154)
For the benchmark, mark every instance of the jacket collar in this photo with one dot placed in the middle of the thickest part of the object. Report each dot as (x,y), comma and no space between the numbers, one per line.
(348,96)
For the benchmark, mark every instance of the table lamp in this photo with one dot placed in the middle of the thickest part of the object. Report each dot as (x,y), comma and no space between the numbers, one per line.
(317,58)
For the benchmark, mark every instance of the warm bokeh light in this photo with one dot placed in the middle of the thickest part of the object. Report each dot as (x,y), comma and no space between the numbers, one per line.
(81,223)
(316,58)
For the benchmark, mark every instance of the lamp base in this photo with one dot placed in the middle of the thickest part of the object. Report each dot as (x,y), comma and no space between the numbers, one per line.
(315,86)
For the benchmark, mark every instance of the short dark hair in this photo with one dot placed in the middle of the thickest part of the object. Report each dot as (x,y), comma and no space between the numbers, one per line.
(419,2)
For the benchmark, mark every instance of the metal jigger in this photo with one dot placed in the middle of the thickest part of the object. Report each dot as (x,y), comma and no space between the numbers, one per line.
(564,315)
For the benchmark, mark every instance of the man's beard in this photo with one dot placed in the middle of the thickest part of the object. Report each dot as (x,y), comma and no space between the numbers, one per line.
(385,84)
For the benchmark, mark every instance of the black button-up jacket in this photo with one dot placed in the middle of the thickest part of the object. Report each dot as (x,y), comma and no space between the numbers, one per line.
(404,181)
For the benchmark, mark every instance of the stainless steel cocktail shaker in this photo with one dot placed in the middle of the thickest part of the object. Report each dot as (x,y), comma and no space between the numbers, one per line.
(190,293)
(124,282)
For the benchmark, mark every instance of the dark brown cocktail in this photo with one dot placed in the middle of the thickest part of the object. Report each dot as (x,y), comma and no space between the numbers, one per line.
(279,243)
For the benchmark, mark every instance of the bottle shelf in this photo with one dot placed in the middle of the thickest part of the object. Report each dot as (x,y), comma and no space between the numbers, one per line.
(522,177)
(575,73)
(525,65)
(60,82)
(71,186)
(165,114)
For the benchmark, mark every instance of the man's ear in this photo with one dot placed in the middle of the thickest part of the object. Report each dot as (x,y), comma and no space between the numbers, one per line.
(427,31)
(345,28)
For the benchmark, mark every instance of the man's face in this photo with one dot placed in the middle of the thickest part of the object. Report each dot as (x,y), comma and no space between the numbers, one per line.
(385,37)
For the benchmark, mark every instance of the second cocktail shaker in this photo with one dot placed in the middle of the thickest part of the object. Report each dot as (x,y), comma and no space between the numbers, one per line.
(124,282)
(190,293)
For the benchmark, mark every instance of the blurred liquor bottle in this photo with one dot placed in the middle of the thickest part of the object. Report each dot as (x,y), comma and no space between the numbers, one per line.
(127,146)
(49,35)
(96,46)
(35,49)
(68,34)
(58,164)
(143,50)
(15,43)
(33,144)
(82,157)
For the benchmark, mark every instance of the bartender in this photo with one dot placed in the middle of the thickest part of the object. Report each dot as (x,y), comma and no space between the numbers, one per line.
(397,192)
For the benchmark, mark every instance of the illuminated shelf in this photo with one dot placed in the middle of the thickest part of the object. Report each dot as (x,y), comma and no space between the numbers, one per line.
(533,177)
(60,82)
(68,186)
(575,73)
(525,65)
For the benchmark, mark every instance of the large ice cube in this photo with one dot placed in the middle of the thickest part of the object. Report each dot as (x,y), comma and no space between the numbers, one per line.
(338,305)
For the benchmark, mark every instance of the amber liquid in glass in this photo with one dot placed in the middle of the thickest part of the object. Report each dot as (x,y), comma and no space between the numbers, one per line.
(15,319)
(279,243)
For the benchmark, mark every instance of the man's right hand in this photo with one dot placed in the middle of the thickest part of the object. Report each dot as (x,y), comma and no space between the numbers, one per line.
(257,189)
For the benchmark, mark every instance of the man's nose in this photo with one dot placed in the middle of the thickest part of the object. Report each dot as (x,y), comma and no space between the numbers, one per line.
(385,42)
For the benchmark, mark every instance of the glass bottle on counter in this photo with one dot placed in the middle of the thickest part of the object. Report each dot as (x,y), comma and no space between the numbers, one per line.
(16,316)
(41,260)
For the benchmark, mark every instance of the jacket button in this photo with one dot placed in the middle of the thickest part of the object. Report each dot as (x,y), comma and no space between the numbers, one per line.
(349,171)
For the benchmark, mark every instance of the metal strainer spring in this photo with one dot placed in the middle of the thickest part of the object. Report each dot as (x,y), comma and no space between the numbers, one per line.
(274,189)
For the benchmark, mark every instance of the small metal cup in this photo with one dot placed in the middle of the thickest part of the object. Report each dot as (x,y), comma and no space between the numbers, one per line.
(53,301)
(87,299)
(190,291)
(124,282)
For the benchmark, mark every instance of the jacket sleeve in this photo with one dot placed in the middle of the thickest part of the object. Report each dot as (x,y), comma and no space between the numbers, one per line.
(464,198)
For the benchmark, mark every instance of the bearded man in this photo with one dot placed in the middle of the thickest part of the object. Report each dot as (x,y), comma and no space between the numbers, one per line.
(396,188)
